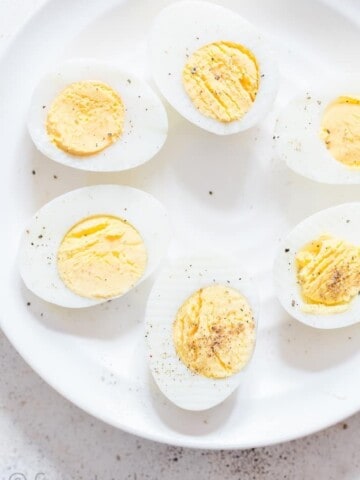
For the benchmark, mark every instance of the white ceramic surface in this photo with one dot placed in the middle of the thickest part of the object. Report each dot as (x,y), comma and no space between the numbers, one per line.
(303,379)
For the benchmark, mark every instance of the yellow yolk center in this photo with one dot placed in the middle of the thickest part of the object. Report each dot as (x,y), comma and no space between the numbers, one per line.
(340,130)
(101,257)
(85,118)
(328,273)
(214,332)
(222,80)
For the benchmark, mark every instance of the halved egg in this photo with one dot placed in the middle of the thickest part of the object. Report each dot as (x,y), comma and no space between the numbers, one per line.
(318,133)
(317,270)
(93,244)
(93,116)
(212,66)
(200,329)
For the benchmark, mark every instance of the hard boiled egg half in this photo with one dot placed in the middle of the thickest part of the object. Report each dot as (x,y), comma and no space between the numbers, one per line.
(200,330)
(212,66)
(318,133)
(317,270)
(93,244)
(93,116)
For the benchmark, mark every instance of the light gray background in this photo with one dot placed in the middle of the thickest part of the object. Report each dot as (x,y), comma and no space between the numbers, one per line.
(44,437)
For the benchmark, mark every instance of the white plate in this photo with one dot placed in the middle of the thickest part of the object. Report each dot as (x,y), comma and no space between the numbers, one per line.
(301,379)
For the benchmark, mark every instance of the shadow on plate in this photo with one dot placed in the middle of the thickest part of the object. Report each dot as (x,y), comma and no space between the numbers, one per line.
(106,321)
(47,179)
(312,349)
(187,422)
(298,197)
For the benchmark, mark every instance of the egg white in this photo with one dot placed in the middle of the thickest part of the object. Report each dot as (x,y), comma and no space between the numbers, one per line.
(174,285)
(41,239)
(297,133)
(342,221)
(181,29)
(145,126)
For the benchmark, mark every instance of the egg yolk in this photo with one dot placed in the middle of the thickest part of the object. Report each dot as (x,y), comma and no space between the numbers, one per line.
(340,130)
(85,118)
(214,332)
(101,257)
(328,273)
(222,80)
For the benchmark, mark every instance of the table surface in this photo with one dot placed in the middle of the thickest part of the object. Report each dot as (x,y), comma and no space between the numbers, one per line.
(45,437)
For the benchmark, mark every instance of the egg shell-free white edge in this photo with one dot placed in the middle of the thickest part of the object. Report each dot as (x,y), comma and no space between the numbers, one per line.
(181,29)
(37,262)
(342,221)
(174,285)
(145,126)
(298,131)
